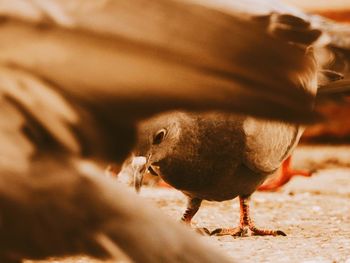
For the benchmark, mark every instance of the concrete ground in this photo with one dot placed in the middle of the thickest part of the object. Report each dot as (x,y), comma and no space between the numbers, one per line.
(313,212)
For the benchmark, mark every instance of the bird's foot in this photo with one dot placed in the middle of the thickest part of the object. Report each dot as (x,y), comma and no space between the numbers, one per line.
(265,232)
(243,231)
(284,177)
(246,223)
(276,183)
(236,232)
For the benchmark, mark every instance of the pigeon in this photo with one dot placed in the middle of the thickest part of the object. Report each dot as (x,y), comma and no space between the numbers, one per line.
(213,156)
(218,156)
(76,76)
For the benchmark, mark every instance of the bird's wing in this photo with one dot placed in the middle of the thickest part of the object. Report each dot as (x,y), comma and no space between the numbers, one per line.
(57,211)
(108,59)
(331,48)
(269,143)
(155,56)
(334,76)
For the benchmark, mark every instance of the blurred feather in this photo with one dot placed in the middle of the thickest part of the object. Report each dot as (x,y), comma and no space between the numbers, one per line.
(66,212)
(174,61)
(107,62)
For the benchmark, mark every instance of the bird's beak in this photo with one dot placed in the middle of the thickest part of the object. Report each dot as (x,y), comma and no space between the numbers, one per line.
(139,165)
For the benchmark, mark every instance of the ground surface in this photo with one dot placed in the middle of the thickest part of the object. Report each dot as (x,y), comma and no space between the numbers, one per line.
(314,213)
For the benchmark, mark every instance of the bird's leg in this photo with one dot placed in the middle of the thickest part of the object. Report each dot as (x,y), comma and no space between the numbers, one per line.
(246,222)
(237,231)
(193,206)
(284,177)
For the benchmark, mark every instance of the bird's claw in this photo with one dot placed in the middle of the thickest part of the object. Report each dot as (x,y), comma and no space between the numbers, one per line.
(265,232)
(243,231)
(236,232)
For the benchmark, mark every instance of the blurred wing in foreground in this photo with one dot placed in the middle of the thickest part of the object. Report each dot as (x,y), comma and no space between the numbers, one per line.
(109,59)
(65,212)
(130,55)
(331,49)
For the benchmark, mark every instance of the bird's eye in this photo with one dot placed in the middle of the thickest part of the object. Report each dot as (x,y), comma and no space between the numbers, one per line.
(159,136)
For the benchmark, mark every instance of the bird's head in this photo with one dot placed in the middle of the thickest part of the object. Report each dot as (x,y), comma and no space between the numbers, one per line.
(157,141)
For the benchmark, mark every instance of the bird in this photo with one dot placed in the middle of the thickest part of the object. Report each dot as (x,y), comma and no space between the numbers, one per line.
(77,76)
(218,156)
(213,156)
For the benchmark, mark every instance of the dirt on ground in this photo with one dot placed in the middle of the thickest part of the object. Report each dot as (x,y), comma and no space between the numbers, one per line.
(313,212)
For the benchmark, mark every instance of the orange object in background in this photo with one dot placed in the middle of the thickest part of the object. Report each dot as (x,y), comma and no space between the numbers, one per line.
(283,176)
(337,126)
(321,6)
(338,15)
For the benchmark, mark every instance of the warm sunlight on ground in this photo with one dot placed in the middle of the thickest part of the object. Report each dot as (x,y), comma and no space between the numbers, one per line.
(314,213)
